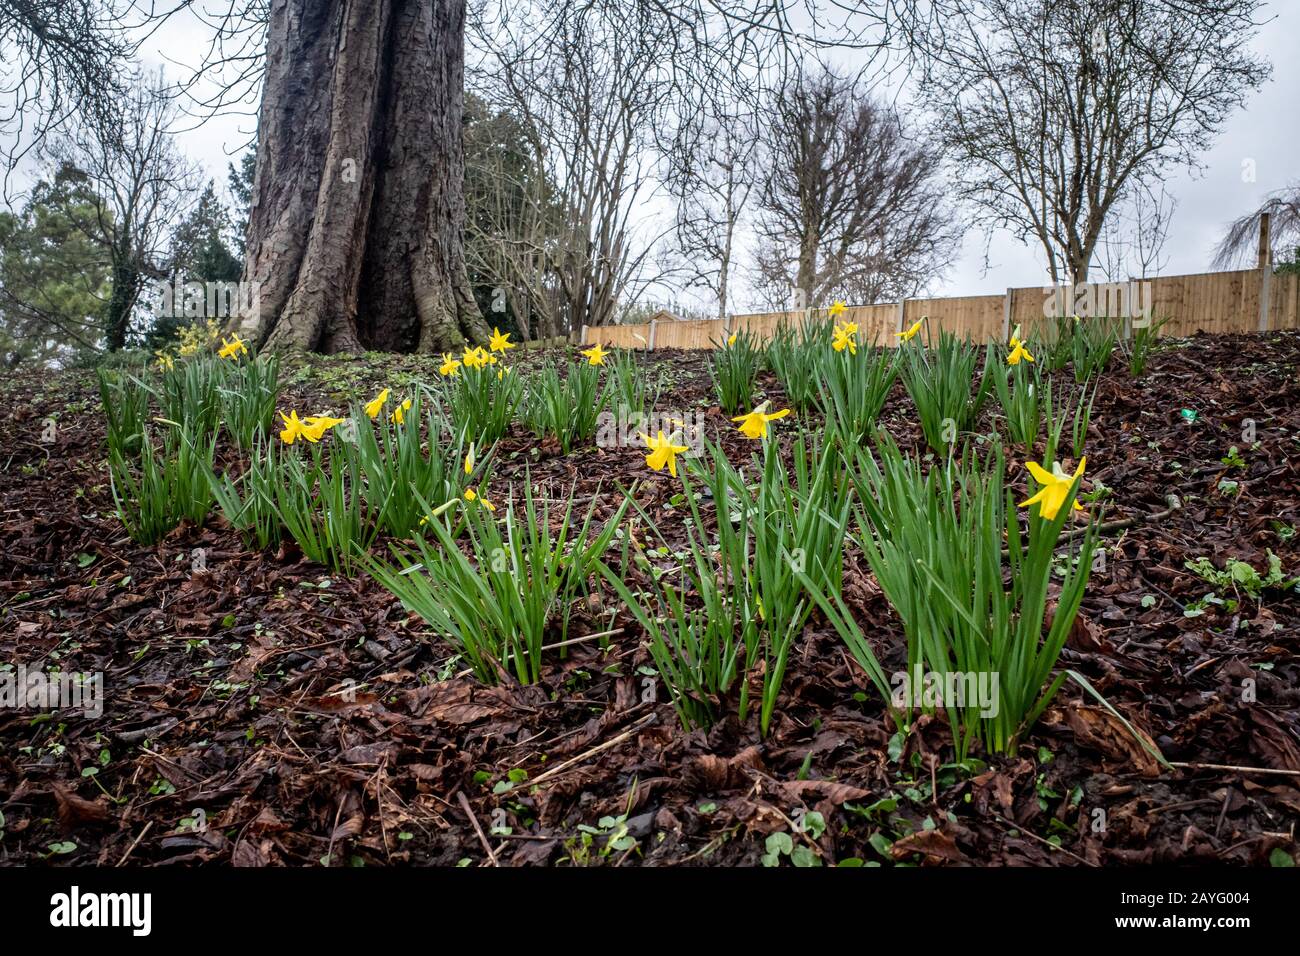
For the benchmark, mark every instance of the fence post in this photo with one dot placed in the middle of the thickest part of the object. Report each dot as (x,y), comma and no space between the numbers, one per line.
(898,323)
(1130,292)
(1006,317)
(1265,271)
(583,339)
(1265,284)
(650,345)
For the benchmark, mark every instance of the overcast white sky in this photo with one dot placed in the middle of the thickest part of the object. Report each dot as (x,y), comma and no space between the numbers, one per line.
(1267,132)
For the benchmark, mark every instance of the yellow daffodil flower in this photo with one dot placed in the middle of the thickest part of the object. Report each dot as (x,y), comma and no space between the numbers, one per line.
(1054,486)
(836,308)
(1018,352)
(845,338)
(469,459)
(449,365)
(500,341)
(293,429)
(595,355)
(472,495)
(476,357)
(501,372)
(911,333)
(232,347)
(754,425)
(731,339)
(165,362)
(315,427)
(399,413)
(662,452)
(374,406)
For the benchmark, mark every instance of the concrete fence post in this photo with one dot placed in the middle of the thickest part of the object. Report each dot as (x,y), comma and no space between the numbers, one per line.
(1265,293)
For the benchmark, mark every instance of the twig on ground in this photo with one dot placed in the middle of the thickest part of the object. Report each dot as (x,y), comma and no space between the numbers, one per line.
(135,843)
(1047,843)
(482,837)
(600,748)
(1235,769)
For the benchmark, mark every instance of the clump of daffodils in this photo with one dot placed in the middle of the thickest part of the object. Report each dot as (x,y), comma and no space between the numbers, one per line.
(195,338)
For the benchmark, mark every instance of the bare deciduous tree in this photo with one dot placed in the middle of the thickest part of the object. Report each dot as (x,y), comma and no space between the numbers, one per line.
(850,207)
(591,99)
(131,161)
(1132,243)
(712,172)
(1057,110)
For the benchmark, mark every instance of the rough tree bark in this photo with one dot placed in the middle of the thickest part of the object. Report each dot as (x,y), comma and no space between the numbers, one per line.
(354,235)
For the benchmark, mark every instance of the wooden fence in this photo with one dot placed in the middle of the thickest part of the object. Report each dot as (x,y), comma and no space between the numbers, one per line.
(1250,300)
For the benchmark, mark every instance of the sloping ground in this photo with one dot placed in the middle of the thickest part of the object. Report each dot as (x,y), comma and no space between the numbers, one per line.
(227,688)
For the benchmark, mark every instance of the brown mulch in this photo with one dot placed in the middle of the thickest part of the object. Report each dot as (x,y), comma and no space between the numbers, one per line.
(232,733)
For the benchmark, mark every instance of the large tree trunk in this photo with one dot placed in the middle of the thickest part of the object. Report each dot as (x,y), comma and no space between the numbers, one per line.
(354,236)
